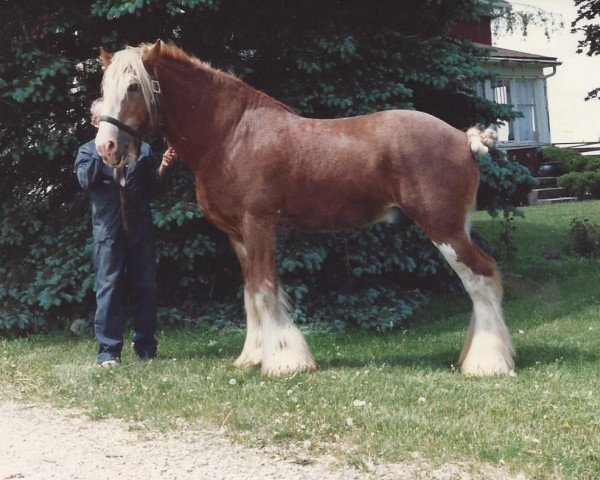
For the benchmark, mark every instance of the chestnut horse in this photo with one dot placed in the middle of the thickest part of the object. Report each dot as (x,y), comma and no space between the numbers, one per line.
(257,164)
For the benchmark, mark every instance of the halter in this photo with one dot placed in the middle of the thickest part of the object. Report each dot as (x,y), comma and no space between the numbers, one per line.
(123,126)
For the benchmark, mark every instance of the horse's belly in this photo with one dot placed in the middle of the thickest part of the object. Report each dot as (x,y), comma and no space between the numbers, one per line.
(329,216)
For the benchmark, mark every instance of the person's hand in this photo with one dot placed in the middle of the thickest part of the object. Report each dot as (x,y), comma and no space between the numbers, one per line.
(168,158)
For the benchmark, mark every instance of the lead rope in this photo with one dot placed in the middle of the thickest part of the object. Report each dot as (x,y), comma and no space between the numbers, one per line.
(119,178)
(123,209)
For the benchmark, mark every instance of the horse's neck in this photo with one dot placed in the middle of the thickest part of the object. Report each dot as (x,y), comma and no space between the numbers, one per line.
(202,107)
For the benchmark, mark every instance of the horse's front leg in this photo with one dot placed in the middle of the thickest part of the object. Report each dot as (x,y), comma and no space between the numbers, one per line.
(252,352)
(270,329)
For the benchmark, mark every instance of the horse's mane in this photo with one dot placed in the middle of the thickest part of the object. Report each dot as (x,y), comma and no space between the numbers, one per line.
(172,51)
(117,75)
(129,62)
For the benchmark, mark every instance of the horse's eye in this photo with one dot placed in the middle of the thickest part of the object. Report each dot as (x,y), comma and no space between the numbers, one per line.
(133,88)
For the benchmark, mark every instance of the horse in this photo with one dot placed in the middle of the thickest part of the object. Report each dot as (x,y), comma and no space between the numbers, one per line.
(257,164)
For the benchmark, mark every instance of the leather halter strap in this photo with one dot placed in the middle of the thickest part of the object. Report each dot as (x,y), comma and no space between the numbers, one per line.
(122,126)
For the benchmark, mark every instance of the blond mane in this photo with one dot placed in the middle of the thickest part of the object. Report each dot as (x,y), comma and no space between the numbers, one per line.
(127,64)
(124,66)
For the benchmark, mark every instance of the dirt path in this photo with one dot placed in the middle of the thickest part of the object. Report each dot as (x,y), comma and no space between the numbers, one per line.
(38,442)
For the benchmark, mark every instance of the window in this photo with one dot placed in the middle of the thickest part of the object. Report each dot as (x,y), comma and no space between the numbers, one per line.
(521,94)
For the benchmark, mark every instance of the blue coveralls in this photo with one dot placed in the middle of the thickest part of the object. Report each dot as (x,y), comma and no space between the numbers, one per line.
(115,250)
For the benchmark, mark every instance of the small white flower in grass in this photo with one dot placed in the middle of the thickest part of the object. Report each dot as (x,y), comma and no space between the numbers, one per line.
(421,400)
(212,343)
(294,399)
(350,422)
(521,332)
(290,391)
(359,403)
(232,381)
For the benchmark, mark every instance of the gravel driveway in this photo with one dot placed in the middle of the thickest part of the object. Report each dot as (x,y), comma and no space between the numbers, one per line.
(39,442)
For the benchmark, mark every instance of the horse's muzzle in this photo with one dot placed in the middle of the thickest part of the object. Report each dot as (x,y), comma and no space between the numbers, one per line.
(114,162)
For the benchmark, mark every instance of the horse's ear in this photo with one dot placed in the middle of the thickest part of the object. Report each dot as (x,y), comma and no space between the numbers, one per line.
(105,57)
(151,55)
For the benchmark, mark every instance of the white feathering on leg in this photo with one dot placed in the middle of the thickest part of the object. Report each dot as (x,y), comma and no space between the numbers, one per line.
(488,349)
(252,352)
(284,347)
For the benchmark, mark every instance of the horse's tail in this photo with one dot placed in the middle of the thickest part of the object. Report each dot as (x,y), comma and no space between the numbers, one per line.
(480,140)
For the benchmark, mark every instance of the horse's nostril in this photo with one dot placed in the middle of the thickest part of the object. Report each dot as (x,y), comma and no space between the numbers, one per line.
(110,146)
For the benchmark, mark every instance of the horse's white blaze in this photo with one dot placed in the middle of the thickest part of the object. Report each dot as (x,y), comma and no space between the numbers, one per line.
(488,349)
(126,67)
(284,349)
(252,351)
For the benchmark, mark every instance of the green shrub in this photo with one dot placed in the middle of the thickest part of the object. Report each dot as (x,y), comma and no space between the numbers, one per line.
(572,161)
(581,184)
(586,237)
(592,164)
(504,185)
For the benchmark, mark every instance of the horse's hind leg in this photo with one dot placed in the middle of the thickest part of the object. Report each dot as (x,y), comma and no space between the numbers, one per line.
(488,349)
(273,334)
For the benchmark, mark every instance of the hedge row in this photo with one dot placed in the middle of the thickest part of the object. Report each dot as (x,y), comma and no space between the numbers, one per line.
(582,173)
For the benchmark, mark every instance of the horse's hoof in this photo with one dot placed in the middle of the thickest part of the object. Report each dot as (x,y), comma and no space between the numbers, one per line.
(488,369)
(276,370)
(247,361)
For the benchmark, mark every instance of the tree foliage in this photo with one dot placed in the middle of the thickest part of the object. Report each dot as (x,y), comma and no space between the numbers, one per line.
(586,22)
(324,59)
(521,17)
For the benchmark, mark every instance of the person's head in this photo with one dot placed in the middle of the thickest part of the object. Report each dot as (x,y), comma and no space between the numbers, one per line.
(96,110)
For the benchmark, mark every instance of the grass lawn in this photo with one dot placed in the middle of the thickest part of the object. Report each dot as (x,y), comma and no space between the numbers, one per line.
(384,397)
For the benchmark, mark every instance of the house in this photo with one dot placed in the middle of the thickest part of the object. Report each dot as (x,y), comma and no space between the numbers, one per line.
(519,78)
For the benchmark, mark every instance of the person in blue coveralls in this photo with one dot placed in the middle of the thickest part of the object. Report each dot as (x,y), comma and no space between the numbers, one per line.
(123,239)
